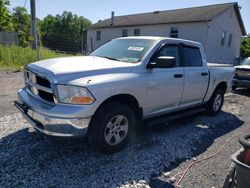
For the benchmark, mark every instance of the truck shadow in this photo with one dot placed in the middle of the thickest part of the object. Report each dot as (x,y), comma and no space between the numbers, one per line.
(30,158)
(244,92)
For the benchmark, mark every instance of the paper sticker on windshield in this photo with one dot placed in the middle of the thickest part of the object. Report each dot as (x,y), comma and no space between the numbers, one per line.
(134,48)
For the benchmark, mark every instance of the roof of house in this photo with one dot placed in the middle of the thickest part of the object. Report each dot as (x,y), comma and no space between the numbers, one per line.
(194,14)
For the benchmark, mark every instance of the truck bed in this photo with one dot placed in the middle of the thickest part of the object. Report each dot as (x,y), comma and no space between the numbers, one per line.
(219,65)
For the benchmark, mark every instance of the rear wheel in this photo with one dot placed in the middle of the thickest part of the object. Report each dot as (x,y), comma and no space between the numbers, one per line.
(215,104)
(111,127)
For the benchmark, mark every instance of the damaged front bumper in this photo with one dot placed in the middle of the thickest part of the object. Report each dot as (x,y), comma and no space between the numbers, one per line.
(55,120)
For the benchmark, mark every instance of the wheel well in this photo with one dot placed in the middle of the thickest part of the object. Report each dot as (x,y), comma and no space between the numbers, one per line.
(127,99)
(223,86)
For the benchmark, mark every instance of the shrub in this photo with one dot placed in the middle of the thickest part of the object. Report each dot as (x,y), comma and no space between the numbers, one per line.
(14,57)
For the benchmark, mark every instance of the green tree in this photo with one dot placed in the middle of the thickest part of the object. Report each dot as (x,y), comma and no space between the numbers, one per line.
(5,16)
(22,24)
(48,24)
(64,32)
(245,47)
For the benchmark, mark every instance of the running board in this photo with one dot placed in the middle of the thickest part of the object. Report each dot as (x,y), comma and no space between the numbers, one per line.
(173,116)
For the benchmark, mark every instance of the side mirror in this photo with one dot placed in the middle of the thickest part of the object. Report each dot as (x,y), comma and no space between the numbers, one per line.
(163,62)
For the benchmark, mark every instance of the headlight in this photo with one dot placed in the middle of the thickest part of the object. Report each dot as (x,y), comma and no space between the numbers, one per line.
(74,95)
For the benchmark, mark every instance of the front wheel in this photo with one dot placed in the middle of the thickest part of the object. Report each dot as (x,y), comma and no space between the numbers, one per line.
(111,127)
(215,104)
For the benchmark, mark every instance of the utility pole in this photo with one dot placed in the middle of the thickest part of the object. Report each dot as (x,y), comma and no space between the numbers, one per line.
(81,36)
(82,43)
(33,26)
(83,33)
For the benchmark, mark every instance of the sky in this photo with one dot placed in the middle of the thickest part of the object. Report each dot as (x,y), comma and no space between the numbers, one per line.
(96,10)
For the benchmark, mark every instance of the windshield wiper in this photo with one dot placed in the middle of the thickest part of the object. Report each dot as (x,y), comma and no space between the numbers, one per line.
(111,58)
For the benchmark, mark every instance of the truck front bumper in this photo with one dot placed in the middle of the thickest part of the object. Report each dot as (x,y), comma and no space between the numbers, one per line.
(55,120)
(241,83)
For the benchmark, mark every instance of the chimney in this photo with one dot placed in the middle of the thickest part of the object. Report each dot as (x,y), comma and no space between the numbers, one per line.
(112,18)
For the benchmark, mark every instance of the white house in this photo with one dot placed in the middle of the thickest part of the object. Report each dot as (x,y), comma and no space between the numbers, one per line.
(218,27)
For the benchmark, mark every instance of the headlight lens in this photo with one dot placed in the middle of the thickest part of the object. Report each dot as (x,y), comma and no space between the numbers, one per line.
(74,95)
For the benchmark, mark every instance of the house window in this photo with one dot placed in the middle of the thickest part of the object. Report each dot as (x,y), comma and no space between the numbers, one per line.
(124,33)
(230,40)
(98,35)
(223,38)
(137,32)
(174,32)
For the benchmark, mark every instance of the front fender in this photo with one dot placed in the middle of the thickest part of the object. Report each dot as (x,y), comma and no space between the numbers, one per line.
(127,83)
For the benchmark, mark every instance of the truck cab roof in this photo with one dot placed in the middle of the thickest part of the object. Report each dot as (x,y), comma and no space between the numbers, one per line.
(158,38)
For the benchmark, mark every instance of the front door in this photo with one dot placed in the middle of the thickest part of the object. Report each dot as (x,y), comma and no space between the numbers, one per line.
(164,85)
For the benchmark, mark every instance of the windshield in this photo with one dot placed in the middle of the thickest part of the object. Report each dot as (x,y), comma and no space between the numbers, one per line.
(126,50)
(246,61)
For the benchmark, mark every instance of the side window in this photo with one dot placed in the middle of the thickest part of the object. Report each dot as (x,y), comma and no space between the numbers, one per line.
(230,40)
(223,38)
(137,32)
(192,56)
(172,50)
(98,35)
(174,32)
(124,33)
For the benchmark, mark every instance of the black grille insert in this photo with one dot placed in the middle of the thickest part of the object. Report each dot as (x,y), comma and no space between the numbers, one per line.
(46,96)
(42,82)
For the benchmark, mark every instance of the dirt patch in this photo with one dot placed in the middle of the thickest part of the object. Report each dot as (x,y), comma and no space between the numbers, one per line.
(10,83)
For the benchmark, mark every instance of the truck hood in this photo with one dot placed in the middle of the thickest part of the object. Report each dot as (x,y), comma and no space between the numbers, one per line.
(65,70)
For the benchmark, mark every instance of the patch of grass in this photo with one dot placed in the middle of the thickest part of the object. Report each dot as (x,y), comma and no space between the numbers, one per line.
(15,57)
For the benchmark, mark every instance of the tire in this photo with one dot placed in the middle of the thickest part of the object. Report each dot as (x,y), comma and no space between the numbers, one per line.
(215,104)
(111,127)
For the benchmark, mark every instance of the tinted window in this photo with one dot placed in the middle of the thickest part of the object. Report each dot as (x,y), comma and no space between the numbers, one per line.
(192,56)
(172,51)
(246,61)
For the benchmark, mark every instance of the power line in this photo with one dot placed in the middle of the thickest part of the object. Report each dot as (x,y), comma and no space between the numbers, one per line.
(38,8)
(24,5)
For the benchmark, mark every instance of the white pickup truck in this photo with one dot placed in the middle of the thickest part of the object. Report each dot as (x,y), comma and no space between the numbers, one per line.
(107,94)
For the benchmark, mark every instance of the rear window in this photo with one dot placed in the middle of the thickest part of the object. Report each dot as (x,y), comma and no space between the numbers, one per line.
(192,56)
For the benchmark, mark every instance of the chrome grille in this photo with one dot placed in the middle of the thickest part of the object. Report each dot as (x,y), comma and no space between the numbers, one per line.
(39,86)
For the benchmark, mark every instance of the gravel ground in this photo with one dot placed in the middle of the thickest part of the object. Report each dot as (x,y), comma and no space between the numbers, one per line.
(29,158)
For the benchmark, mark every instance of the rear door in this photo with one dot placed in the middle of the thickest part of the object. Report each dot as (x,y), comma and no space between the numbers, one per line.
(196,76)
(164,85)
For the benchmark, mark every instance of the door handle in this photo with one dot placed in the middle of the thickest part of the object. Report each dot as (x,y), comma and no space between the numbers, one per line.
(204,74)
(178,75)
